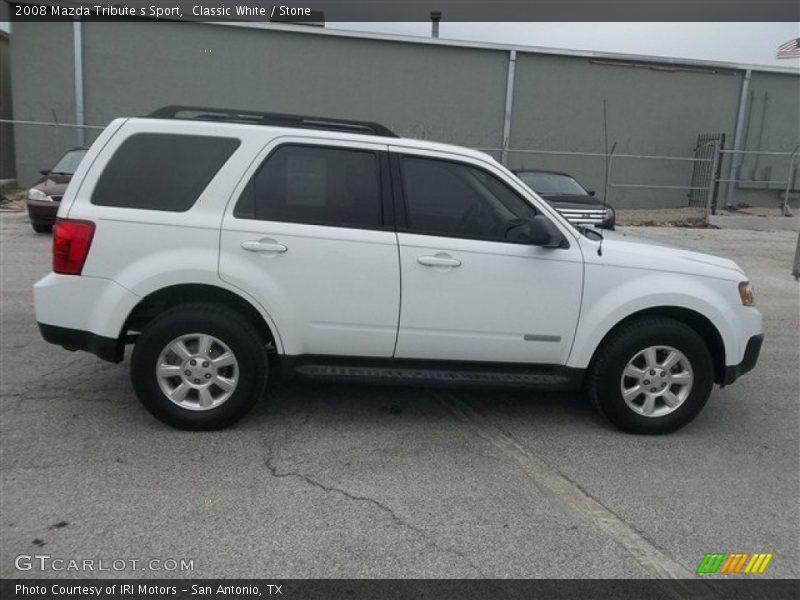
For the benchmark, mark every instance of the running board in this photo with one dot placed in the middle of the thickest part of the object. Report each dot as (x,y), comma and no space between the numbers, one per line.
(433,372)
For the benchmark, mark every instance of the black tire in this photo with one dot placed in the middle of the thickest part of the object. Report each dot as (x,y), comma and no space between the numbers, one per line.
(41,227)
(229,327)
(622,344)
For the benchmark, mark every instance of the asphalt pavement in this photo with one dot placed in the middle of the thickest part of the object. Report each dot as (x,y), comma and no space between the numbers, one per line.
(329,481)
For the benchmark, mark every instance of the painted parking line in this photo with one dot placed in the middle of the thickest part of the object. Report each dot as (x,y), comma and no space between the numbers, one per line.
(548,478)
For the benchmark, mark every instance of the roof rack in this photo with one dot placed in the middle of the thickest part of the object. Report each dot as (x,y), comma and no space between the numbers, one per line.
(253,117)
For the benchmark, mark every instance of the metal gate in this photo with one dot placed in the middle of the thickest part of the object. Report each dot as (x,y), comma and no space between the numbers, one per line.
(707,169)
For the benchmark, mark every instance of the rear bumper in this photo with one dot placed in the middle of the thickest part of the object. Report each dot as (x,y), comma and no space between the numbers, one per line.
(83,313)
(74,339)
(749,360)
(42,211)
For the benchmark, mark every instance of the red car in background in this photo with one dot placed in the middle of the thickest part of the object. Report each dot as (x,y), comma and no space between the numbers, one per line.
(44,198)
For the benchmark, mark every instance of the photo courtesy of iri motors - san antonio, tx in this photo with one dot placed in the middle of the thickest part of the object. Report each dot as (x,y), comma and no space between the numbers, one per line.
(60,589)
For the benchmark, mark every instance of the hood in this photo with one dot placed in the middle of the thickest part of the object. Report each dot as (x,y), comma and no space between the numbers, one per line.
(625,250)
(53,184)
(578,200)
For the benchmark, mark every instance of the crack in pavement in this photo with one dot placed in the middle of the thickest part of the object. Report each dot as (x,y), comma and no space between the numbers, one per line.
(43,386)
(396,519)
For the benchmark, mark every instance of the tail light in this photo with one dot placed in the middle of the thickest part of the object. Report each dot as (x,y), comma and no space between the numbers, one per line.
(71,241)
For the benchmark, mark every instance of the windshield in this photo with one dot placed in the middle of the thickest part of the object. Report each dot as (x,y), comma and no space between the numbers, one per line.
(552,183)
(69,162)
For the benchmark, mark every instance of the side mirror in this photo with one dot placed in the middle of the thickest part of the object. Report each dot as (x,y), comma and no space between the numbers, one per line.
(539,231)
(590,192)
(45,171)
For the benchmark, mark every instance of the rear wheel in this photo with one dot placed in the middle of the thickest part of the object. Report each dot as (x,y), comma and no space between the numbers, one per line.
(41,227)
(199,367)
(652,375)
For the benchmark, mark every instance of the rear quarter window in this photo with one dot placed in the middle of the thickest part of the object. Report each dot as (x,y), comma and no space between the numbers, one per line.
(160,171)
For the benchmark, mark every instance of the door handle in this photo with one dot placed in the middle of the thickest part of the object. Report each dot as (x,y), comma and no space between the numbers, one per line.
(440,259)
(265,245)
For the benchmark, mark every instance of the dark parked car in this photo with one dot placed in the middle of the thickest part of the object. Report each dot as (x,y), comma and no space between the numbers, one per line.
(578,205)
(45,196)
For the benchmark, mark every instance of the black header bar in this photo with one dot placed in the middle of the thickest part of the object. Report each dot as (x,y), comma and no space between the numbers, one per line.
(742,588)
(317,12)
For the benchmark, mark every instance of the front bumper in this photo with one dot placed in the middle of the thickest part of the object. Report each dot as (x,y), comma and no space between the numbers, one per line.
(602,219)
(749,360)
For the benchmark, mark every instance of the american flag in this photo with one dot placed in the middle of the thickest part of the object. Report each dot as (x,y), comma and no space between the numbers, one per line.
(790,49)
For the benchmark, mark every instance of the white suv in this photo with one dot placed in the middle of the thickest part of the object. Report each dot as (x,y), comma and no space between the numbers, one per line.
(212,239)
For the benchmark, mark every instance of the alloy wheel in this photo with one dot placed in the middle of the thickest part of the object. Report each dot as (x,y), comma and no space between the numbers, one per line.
(656,381)
(197,371)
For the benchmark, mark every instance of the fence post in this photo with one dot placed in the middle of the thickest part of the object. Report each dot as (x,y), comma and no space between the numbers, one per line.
(712,182)
(796,265)
(785,210)
(608,177)
(58,136)
(509,107)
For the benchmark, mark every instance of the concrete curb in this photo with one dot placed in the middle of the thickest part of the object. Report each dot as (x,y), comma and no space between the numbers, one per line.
(755,223)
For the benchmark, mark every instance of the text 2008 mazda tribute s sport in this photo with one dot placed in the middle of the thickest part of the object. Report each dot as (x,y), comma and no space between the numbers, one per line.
(211,238)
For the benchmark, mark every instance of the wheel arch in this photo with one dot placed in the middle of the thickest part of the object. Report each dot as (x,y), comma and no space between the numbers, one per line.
(159,300)
(701,324)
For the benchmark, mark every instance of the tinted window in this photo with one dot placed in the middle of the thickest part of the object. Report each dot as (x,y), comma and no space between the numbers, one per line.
(322,186)
(452,199)
(160,171)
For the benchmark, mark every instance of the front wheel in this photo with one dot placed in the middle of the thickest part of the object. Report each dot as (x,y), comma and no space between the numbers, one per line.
(199,367)
(652,375)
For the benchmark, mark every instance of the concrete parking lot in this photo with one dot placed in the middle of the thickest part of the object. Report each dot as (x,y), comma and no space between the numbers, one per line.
(351,481)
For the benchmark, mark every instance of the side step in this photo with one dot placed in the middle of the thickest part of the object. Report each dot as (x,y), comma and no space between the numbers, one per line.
(433,372)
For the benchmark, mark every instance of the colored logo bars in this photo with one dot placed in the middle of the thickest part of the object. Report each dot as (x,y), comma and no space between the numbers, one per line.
(734,562)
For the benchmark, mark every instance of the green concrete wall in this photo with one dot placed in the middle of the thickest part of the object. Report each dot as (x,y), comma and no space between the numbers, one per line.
(437,92)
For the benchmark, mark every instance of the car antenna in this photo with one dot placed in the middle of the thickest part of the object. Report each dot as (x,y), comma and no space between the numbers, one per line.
(607,169)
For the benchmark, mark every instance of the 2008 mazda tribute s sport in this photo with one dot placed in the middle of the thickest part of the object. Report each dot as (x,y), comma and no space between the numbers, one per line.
(212,238)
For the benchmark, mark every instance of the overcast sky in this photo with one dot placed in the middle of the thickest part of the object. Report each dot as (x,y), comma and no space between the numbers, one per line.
(751,43)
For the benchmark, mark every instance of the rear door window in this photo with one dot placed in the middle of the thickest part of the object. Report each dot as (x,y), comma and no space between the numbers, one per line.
(161,171)
(338,187)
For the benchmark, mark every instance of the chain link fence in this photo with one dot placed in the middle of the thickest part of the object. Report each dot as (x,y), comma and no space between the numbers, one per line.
(39,144)
(644,188)
(786,186)
(683,190)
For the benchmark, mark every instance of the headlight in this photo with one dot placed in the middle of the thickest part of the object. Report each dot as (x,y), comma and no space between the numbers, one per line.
(36,194)
(747,293)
